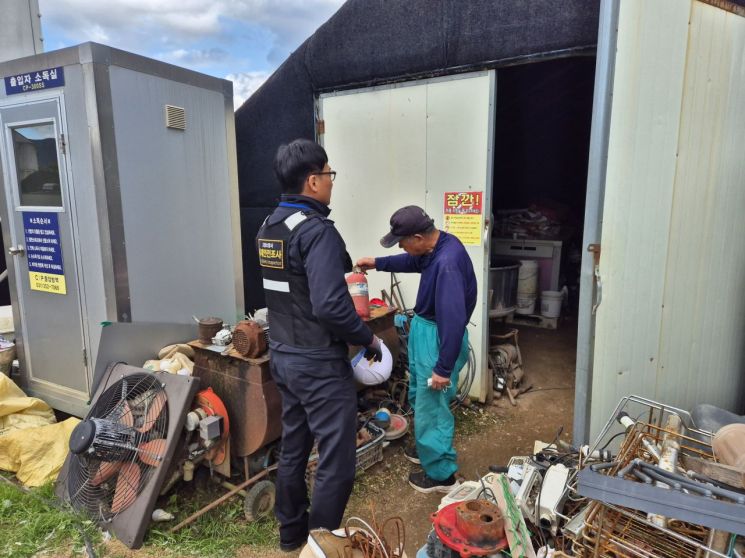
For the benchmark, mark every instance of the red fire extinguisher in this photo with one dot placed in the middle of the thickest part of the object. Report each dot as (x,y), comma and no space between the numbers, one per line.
(357,285)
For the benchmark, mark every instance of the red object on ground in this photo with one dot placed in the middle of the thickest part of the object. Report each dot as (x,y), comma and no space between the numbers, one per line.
(357,285)
(471,528)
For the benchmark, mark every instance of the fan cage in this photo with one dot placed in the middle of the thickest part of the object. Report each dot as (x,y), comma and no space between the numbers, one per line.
(137,404)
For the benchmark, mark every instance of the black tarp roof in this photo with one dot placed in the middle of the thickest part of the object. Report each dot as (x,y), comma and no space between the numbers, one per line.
(375,41)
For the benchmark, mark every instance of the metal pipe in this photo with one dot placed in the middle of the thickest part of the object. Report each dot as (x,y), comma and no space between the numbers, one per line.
(646,479)
(626,470)
(679,482)
(231,486)
(223,498)
(662,482)
(715,490)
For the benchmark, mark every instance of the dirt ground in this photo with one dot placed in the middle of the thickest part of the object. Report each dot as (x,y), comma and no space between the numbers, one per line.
(486,438)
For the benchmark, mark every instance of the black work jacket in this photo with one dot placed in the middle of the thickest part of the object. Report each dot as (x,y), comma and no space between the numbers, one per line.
(303,260)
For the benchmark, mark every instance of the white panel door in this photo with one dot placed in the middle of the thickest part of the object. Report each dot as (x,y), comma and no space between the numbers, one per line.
(407,144)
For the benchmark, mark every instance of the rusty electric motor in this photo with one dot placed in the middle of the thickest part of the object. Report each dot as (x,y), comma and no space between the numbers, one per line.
(248,339)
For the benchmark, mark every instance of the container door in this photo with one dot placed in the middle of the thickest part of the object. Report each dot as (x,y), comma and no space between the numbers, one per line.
(42,260)
(670,321)
(427,143)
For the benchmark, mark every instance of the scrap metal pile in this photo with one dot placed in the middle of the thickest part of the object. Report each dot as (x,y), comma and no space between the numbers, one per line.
(671,489)
(652,485)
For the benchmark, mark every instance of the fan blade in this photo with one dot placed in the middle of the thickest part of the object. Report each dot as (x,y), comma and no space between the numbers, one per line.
(127,487)
(153,452)
(106,470)
(153,412)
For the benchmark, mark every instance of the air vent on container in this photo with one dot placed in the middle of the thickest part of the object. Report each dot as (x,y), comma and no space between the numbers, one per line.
(175,117)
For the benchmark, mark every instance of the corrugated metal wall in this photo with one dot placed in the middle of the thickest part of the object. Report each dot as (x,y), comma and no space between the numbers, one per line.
(672,319)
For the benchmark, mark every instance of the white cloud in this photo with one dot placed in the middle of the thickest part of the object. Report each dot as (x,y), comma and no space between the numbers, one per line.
(135,18)
(244,84)
(194,57)
(145,26)
(290,21)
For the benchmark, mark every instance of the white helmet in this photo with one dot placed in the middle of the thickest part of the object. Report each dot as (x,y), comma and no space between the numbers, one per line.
(369,372)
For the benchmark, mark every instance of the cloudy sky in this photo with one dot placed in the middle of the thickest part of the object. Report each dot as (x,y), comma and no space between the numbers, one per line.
(241,40)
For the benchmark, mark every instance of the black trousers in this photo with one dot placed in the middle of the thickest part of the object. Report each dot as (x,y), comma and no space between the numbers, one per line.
(318,401)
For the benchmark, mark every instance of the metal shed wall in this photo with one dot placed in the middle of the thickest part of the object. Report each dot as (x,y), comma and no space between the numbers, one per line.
(672,314)
(177,195)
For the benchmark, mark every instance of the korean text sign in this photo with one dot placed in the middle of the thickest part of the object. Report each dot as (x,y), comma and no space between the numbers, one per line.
(44,252)
(34,81)
(463,213)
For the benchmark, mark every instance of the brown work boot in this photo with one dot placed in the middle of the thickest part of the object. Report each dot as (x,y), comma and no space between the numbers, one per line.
(326,544)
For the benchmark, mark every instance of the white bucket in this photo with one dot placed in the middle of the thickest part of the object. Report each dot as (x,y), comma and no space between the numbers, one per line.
(525,304)
(527,279)
(551,303)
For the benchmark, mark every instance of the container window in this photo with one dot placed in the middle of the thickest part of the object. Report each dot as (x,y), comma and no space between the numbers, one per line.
(37,167)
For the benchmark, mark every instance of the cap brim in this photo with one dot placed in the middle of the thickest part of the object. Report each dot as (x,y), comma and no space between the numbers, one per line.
(390,240)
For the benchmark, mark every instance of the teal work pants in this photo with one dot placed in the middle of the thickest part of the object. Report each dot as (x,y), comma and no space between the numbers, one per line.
(434,424)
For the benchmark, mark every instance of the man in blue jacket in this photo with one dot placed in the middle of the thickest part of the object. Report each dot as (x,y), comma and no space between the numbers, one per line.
(438,340)
(311,319)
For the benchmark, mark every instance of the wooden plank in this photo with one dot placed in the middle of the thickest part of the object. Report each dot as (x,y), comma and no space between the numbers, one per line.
(514,524)
(716,471)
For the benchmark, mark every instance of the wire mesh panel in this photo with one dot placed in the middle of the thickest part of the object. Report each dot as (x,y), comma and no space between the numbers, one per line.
(118,446)
(614,531)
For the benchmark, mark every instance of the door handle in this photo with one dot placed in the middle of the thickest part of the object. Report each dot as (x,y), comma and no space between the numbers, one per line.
(17,250)
(595,250)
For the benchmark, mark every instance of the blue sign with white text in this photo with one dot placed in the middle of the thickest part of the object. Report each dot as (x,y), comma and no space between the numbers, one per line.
(43,249)
(34,81)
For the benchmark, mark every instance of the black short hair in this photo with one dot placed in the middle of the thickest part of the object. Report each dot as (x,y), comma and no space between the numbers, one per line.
(295,161)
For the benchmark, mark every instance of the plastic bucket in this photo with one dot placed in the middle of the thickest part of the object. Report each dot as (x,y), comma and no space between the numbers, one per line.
(525,304)
(503,286)
(527,278)
(551,303)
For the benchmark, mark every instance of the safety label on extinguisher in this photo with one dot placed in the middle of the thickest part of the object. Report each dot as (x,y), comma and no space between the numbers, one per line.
(358,289)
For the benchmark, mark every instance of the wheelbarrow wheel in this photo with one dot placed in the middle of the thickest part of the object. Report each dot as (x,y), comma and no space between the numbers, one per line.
(259,500)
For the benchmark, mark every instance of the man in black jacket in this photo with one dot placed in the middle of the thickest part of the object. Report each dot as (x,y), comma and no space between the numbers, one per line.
(311,319)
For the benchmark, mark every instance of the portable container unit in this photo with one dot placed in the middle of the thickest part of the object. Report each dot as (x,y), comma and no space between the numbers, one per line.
(119,203)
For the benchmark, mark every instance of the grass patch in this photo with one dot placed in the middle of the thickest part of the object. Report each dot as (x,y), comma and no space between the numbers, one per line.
(217,534)
(31,525)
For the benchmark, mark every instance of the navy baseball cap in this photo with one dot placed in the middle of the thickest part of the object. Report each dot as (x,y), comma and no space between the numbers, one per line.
(405,222)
